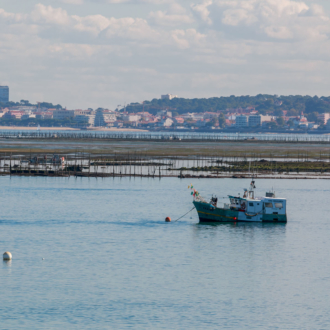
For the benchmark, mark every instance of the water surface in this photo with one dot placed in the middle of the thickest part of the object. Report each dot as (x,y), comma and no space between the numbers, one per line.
(111,262)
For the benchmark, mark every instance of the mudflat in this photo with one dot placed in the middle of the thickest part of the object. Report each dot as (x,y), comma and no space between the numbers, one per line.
(186,149)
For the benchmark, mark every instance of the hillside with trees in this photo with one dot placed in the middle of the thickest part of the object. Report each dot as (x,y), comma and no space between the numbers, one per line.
(45,105)
(264,104)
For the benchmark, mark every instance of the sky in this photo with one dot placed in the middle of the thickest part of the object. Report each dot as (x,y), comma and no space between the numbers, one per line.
(105,53)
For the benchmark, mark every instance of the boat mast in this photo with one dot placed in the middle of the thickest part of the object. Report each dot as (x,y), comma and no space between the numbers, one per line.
(252,188)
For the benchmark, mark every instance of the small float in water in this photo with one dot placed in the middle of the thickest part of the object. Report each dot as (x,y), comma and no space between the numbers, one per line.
(246,208)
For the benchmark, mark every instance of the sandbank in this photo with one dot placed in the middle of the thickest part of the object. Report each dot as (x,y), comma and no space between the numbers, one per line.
(29,128)
(114,129)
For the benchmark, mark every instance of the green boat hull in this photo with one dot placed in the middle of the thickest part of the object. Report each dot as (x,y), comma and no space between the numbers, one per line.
(209,213)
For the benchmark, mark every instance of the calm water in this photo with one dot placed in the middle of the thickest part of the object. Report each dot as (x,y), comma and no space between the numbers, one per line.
(111,262)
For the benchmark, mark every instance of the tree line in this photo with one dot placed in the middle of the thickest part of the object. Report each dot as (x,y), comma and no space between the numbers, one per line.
(263,103)
(46,105)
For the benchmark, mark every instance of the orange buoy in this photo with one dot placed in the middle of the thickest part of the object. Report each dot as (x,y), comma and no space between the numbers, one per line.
(168,219)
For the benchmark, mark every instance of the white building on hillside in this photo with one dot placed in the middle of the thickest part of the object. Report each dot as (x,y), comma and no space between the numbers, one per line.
(168,96)
(63,114)
(324,117)
(110,117)
(210,115)
(166,122)
(25,108)
(131,117)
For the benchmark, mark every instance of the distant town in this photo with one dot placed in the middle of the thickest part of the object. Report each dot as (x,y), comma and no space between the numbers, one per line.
(169,112)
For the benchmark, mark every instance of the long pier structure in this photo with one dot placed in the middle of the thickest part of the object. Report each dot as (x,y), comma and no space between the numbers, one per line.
(167,136)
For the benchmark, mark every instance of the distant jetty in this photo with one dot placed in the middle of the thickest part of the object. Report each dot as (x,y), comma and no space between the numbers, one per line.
(82,164)
(165,136)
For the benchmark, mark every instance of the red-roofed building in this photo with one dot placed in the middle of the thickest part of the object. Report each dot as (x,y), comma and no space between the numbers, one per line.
(179,120)
(17,114)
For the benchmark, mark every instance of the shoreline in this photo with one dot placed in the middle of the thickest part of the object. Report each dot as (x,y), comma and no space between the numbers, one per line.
(26,128)
(116,130)
(184,177)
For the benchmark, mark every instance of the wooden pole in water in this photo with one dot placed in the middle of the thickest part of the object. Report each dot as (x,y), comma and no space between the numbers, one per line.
(95,166)
(75,162)
(89,164)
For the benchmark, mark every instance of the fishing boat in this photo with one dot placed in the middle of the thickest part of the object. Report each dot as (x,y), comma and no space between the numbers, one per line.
(245,208)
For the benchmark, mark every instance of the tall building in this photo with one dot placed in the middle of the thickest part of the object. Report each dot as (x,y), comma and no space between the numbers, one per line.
(99,118)
(254,120)
(257,120)
(241,121)
(4,94)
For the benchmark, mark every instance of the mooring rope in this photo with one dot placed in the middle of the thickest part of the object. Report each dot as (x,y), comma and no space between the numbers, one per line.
(184,214)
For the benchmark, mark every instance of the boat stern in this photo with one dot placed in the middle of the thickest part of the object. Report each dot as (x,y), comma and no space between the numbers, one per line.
(274,210)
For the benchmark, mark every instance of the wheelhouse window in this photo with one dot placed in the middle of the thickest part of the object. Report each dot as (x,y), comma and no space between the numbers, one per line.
(278,205)
(250,204)
(268,204)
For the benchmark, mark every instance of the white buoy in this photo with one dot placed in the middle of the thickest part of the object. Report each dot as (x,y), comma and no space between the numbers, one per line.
(7,256)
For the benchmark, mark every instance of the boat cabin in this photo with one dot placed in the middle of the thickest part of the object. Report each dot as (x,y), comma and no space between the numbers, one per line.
(261,208)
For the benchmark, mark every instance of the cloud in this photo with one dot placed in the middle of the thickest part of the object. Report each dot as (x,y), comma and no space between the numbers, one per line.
(203,11)
(130,28)
(175,15)
(10,18)
(57,23)
(48,15)
(212,47)
(72,2)
(278,19)
(80,2)
(185,38)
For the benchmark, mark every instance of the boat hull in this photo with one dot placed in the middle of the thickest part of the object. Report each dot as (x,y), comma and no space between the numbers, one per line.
(209,213)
